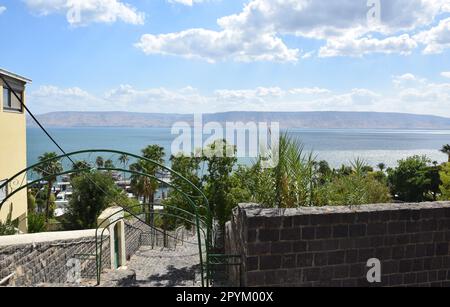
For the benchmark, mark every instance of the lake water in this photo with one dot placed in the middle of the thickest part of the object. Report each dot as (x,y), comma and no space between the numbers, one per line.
(337,146)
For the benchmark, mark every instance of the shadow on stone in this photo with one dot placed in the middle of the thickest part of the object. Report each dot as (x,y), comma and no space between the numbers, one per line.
(174,277)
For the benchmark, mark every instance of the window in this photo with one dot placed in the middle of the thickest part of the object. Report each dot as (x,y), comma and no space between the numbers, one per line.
(3,190)
(10,101)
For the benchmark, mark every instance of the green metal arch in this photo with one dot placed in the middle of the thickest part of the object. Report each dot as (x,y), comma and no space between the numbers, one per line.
(99,249)
(32,167)
(206,220)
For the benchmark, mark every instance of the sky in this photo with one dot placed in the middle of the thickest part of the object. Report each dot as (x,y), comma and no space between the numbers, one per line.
(202,56)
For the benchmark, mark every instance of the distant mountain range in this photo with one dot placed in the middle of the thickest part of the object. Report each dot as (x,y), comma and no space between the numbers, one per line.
(319,120)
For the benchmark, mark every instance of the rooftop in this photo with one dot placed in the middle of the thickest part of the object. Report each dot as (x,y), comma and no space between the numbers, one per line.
(14,76)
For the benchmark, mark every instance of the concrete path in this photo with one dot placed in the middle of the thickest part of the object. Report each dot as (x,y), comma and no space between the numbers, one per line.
(166,268)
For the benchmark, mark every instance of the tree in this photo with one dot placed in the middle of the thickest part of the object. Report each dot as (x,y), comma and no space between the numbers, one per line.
(100,162)
(446,150)
(217,179)
(445,179)
(144,186)
(410,181)
(381,167)
(188,167)
(124,160)
(92,194)
(49,169)
(109,164)
(80,167)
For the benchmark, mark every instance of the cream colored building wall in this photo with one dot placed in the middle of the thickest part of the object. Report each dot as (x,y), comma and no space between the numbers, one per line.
(13,150)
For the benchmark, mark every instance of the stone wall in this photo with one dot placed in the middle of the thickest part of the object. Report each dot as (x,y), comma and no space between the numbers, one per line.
(43,257)
(330,246)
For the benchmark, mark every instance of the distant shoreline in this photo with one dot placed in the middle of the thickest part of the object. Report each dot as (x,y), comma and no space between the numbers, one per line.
(287,120)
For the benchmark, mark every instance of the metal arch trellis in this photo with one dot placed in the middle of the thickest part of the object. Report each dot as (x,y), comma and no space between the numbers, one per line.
(19,182)
(111,220)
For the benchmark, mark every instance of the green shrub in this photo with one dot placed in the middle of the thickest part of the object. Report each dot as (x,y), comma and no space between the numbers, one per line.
(36,222)
(352,190)
(9,227)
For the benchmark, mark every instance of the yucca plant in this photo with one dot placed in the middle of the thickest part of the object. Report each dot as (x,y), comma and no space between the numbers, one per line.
(295,174)
(9,227)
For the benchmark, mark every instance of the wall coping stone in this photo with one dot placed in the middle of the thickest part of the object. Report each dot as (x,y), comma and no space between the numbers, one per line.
(45,237)
(256,210)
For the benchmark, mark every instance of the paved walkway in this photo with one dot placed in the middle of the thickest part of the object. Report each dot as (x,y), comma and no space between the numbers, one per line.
(166,268)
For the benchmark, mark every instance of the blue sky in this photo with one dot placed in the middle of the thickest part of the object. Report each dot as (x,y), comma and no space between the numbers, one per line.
(224,55)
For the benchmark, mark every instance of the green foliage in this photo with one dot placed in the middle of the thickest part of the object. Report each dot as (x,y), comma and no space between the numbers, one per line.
(49,170)
(9,227)
(381,167)
(36,222)
(31,200)
(294,176)
(379,176)
(92,194)
(143,185)
(100,162)
(414,180)
(124,160)
(446,150)
(188,167)
(220,164)
(109,164)
(43,204)
(445,178)
(352,190)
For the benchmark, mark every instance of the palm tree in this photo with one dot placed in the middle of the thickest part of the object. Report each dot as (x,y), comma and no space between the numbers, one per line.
(48,169)
(124,159)
(79,166)
(359,167)
(109,164)
(446,150)
(381,166)
(143,185)
(100,162)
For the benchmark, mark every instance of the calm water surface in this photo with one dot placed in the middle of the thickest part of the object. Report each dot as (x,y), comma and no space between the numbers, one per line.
(338,146)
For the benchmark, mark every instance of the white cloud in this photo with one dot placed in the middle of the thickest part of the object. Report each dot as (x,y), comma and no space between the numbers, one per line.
(2,9)
(257,32)
(155,99)
(83,12)
(214,46)
(408,80)
(445,74)
(186,2)
(409,94)
(402,44)
(436,39)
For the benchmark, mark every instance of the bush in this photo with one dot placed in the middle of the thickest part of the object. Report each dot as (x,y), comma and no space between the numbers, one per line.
(445,178)
(413,180)
(92,193)
(9,227)
(36,222)
(352,190)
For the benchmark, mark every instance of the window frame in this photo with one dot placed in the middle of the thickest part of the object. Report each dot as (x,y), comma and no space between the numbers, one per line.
(7,105)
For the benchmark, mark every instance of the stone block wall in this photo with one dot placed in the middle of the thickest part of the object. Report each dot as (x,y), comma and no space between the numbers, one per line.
(46,257)
(330,246)
(43,258)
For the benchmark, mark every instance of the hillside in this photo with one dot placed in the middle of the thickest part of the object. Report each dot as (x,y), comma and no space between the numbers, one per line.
(319,120)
